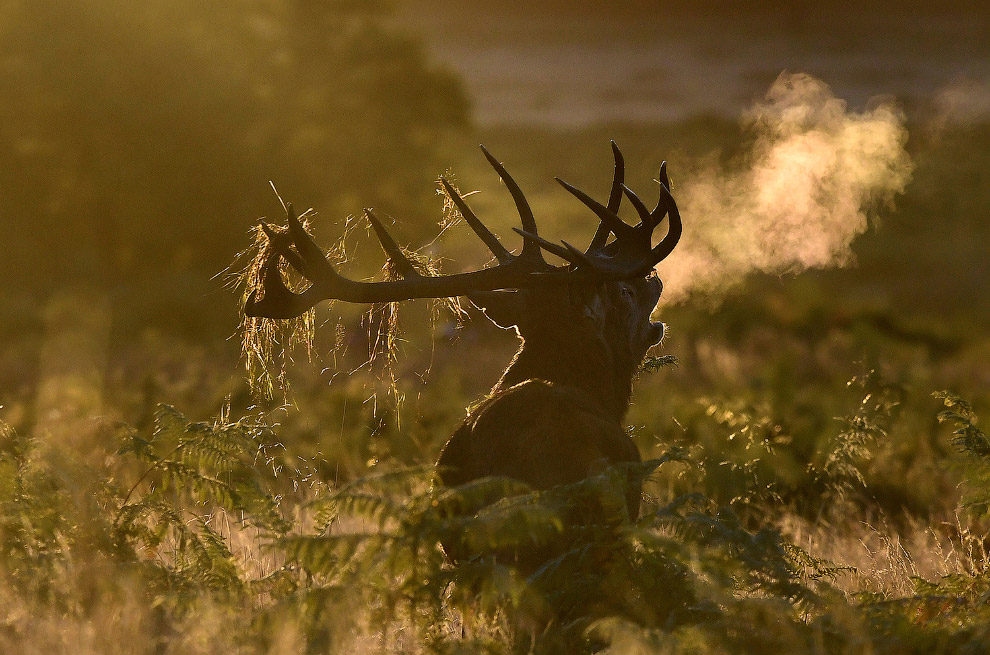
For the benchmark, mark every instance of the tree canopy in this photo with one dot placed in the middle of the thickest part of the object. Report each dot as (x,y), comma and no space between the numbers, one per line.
(137,139)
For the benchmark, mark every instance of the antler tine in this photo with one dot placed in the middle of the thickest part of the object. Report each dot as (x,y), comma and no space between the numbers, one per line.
(278,301)
(494,245)
(274,287)
(530,251)
(618,177)
(583,257)
(645,215)
(391,248)
(620,228)
(663,180)
(315,264)
(674,229)
(614,198)
(551,247)
(307,258)
(281,243)
(268,230)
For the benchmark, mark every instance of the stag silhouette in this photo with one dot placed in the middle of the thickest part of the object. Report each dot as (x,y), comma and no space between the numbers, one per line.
(556,415)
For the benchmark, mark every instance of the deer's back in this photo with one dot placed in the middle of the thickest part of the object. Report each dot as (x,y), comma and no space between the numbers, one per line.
(540,433)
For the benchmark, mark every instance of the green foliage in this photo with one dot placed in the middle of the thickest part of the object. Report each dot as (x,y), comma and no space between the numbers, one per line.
(75,539)
(199,477)
(33,527)
(751,458)
(228,466)
(973,443)
(840,473)
(210,524)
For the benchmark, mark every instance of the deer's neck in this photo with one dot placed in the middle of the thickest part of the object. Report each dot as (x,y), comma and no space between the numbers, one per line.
(594,368)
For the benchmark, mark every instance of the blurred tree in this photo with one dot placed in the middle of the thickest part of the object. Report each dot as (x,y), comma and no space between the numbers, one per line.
(137,139)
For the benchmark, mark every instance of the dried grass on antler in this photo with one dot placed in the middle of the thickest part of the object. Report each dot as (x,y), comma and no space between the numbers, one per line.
(266,344)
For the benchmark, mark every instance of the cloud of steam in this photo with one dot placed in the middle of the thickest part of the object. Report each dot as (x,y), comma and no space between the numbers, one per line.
(796,200)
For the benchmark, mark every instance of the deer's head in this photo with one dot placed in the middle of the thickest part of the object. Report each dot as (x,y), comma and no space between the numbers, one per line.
(601,325)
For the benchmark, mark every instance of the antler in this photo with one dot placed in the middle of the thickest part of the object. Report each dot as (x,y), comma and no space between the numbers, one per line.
(630,254)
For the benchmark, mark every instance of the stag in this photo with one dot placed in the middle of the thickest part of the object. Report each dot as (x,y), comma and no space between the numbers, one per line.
(556,414)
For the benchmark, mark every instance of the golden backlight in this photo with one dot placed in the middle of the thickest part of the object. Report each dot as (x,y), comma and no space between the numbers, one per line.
(814,474)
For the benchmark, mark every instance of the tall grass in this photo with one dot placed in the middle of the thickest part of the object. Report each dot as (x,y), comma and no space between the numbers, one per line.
(193,537)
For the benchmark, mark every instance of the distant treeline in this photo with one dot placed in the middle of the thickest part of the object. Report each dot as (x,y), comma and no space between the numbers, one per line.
(137,139)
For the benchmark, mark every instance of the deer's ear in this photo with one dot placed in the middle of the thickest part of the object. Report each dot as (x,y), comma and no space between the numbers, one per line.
(503,308)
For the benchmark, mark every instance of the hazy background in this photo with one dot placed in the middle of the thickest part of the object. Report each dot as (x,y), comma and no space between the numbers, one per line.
(574,63)
(831,167)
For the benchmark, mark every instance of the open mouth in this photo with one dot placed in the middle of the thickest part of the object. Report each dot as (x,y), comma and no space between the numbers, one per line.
(655,333)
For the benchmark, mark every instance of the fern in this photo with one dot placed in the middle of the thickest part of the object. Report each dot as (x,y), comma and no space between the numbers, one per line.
(562,570)
(34,528)
(973,443)
(209,465)
(565,558)
(840,473)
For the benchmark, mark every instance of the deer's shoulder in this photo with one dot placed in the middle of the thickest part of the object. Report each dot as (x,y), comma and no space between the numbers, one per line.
(546,402)
(542,433)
